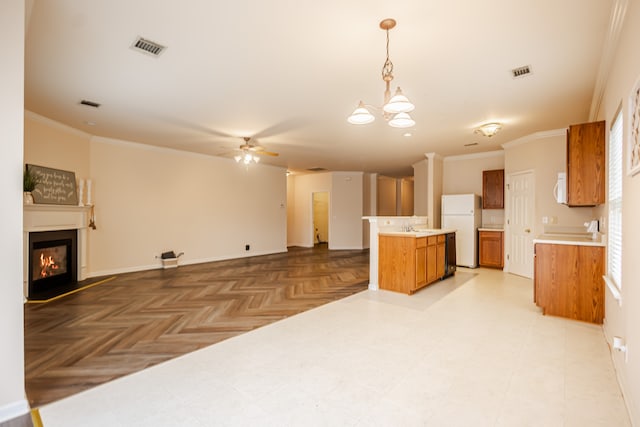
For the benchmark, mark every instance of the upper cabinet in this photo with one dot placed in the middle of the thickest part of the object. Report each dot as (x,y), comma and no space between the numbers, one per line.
(493,189)
(586,164)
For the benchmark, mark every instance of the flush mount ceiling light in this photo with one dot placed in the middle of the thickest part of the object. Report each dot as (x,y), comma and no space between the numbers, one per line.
(489,129)
(395,109)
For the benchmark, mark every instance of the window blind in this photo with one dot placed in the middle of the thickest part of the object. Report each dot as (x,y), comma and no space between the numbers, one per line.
(614,250)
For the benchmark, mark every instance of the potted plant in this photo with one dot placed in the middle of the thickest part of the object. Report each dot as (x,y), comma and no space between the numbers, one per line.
(29,183)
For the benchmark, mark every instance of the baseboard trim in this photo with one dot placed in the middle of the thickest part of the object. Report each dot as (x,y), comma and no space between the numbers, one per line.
(134,269)
(14,410)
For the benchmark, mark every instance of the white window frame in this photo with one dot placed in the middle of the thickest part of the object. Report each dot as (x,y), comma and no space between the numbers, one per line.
(613,278)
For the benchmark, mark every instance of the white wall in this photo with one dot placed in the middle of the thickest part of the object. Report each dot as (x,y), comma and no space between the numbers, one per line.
(545,153)
(12,30)
(345,207)
(624,320)
(304,187)
(149,200)
(421,188)
(463,174)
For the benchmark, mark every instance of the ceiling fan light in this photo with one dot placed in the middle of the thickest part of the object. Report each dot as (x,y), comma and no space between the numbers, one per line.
(398,104)
(360,116)
(238,158)
(256,159)
(402,120)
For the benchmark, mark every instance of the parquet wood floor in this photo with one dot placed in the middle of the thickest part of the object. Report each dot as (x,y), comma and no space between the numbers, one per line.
(140,319)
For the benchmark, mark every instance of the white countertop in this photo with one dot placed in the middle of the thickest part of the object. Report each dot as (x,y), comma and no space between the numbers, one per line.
(491,228)
(570,239)
(418,233)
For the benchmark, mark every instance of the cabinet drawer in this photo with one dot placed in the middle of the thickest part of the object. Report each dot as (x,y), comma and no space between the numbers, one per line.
(442,238)
(432,240)
(421,242)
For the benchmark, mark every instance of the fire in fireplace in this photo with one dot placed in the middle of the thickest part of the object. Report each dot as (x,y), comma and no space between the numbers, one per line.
(52,263)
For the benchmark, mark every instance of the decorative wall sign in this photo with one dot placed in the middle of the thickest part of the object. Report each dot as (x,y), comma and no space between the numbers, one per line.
(55,187)
(633,154)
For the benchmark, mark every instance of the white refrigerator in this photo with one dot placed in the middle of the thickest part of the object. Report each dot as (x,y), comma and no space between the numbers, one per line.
(463,213)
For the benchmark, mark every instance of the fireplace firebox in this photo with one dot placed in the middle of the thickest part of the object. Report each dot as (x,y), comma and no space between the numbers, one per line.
(52,263)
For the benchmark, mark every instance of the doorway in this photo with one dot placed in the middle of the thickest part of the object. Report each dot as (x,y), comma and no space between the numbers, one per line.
(320,220)
(519,213)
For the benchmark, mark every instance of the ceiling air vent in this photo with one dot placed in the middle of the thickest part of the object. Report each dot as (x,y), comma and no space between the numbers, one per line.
(316,169)
(148,47)
(471,144)
(89,103)
(521,71)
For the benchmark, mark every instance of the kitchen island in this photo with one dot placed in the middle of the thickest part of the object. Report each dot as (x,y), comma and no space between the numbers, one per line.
(411,260)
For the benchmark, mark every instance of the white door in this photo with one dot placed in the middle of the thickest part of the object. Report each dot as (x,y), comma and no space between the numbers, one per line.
(520,210)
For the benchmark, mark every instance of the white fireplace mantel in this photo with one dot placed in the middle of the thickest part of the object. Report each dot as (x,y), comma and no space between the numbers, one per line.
(41,217)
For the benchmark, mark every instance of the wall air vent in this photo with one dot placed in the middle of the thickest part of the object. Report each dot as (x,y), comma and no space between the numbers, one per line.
(148,47)
(316,169)
(521,71)
(89,103)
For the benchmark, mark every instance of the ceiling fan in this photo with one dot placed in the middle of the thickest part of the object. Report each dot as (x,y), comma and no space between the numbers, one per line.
(248,152)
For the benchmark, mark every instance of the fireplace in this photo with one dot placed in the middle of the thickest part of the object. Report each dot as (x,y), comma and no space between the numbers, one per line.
(53,263)
(61,230)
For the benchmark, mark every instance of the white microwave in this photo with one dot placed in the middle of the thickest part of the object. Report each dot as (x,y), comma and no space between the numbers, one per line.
(560,189)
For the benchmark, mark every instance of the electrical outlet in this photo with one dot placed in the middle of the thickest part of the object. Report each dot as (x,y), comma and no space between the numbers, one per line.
(545,220)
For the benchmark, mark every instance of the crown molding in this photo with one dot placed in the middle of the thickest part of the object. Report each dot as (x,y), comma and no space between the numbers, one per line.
(534,137)
(616,22)
(52,123)
(483,155)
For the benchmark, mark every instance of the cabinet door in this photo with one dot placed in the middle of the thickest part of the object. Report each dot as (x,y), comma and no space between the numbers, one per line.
(493,189)
(568,281)
(396,263)
(440,258)
(586,164)
(491,249)
(432,259)
(421,266)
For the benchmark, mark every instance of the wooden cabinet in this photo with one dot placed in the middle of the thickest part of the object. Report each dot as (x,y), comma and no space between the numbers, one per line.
(408,263)
(568,281)
(586,164)
(491,248)
(493,189)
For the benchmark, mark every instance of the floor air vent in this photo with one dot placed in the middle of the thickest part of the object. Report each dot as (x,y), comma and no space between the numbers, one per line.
(521,71)
(148,47)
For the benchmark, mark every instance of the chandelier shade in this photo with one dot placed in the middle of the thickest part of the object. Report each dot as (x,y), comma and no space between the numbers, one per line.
(398,104)
(402,120)
(361,116)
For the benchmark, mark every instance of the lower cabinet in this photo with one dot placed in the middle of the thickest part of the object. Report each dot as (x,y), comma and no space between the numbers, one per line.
(491,249)
(407,263)
(568,281)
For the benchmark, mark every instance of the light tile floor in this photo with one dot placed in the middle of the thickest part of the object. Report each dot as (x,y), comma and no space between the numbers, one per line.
(472,350)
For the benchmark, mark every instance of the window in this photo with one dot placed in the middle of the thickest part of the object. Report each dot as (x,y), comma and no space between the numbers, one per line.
(614,250)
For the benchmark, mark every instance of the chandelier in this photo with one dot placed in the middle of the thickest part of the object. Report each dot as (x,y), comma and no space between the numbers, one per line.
(395,109)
